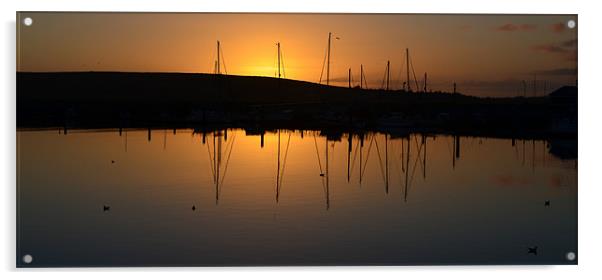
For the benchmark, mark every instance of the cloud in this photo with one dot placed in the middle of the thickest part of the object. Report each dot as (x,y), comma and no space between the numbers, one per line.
(557,72)
(567,49)
(569,43)
(558,27)
(550,48)
(509,27)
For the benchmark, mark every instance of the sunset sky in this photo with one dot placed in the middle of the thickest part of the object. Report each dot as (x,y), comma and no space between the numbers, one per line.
(487,55)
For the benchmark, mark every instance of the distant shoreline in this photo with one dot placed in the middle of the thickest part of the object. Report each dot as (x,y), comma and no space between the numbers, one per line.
(124,99)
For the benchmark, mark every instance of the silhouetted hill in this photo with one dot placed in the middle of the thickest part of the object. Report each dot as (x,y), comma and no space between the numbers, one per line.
(181,87)
(565,94)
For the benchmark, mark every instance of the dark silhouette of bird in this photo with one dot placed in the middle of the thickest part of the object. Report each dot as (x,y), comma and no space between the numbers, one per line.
(547,203)
(321,174)
(106,208)
(193,207)
(532,250)
(112,161)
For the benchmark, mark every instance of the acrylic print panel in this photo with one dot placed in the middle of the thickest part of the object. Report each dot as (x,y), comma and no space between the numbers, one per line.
(158,139)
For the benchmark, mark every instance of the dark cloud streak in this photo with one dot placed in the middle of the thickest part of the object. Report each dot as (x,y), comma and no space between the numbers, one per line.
(569,43)
(565,48)
(549,48)
(557,72)
(509,27)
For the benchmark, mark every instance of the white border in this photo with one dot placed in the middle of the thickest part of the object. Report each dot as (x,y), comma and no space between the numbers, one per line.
(354,6)
(589,135)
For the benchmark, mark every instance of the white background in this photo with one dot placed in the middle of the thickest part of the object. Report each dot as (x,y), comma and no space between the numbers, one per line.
(590,196)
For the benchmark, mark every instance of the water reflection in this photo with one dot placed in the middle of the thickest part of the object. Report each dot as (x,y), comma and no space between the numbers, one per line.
(397,198)
(396,150)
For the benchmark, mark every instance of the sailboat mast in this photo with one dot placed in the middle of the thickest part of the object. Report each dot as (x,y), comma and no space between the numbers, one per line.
(328,61)
(349,149)
(387,163)
(361,75)
(361,151)
(278,170)
(218,62)
(424,140)
(278,59)
(405,196)
(349,77)
(327,181)
(408,68)
(388,72)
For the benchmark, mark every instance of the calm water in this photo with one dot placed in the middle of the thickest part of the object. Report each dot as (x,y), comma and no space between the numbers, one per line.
(383,200)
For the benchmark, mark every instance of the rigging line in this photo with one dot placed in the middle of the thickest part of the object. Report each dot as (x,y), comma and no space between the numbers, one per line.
(282,62)
(418,156)
(318,154)
(419,149)
(325,177)
(320,164)
(354,157)
(367,156)
(396,167)
(278,163)
(274,62)
(415,80)
(227,161)
(362,76)
(323,64)
(228,150)
(414,168)
(382,172)
(284,160)
(285,156)
(211,161)
(365,82)
(400,70)
(220,162)
(223,60)
(212,63)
